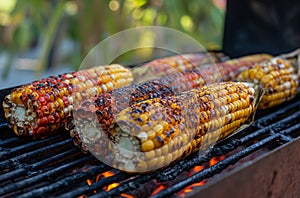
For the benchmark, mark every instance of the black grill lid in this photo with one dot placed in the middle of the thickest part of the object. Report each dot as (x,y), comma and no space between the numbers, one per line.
(261,26)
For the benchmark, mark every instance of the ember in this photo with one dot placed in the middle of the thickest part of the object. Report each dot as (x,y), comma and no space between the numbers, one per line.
(213,161)
(157,190)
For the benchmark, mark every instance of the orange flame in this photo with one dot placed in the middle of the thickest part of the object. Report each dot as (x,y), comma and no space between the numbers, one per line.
(215,160)
(158,189)
(103,175)
(111,186)
(89,182)
(127,195)
(196,169)
(189,189)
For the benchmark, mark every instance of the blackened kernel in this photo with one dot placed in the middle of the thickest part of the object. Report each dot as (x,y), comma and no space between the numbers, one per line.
(175,118)
(144,105)
(137,128)
(136,110)
(153,117)
(159,138)
(30,96)
(172,130)
(139,120)
(167,133)
(99,112)
(99,101)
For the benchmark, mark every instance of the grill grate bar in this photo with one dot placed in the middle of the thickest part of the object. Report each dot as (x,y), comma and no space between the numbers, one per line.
(55,158)
(12,141)
(276,116)
(44,176)
(46,162)
(275,127)
(292,130)
(29,146)
(13,162)
(3,125)
(12,174)
(217,168)
(97,185)
(43,191)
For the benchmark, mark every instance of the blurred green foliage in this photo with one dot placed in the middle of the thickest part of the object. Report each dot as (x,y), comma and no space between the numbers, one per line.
(24,24)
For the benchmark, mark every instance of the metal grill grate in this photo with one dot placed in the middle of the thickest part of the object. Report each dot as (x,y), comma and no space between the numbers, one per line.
(55,167)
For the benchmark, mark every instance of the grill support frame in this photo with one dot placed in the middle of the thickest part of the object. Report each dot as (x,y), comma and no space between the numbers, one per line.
(265,176)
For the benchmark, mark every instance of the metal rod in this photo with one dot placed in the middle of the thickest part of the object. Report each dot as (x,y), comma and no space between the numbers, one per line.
(56,172)
(275,116)
(13,162)
(3,125)
(33,167)
(97,185)
(12,141)
(29,147)
(292,129)
(45,190)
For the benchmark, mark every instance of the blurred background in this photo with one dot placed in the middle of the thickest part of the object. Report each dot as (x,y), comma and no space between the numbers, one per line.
(39,38)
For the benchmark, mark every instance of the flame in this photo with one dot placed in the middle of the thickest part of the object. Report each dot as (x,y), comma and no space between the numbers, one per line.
(127,195)
(103,175)
(89,182)
(111,186)
(196,169)
(215,160)
(158,189)
(189,189)
(108,174)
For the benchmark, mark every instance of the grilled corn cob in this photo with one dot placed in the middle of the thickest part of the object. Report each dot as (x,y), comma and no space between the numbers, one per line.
(38,109)
(153,133)
(105,106)
(277,76)
(178,63)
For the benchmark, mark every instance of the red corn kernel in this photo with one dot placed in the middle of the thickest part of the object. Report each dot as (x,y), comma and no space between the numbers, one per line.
(51,119)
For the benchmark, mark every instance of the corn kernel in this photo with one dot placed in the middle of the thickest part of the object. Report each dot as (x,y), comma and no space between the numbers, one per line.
(147,146)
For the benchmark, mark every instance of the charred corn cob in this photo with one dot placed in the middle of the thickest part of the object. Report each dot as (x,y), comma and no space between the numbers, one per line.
(277,76)
(38,109)
(105,106)
(178,63)
(153,133)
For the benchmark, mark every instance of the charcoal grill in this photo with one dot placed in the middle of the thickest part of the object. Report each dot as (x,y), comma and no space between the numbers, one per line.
(55,167)
(260,161)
